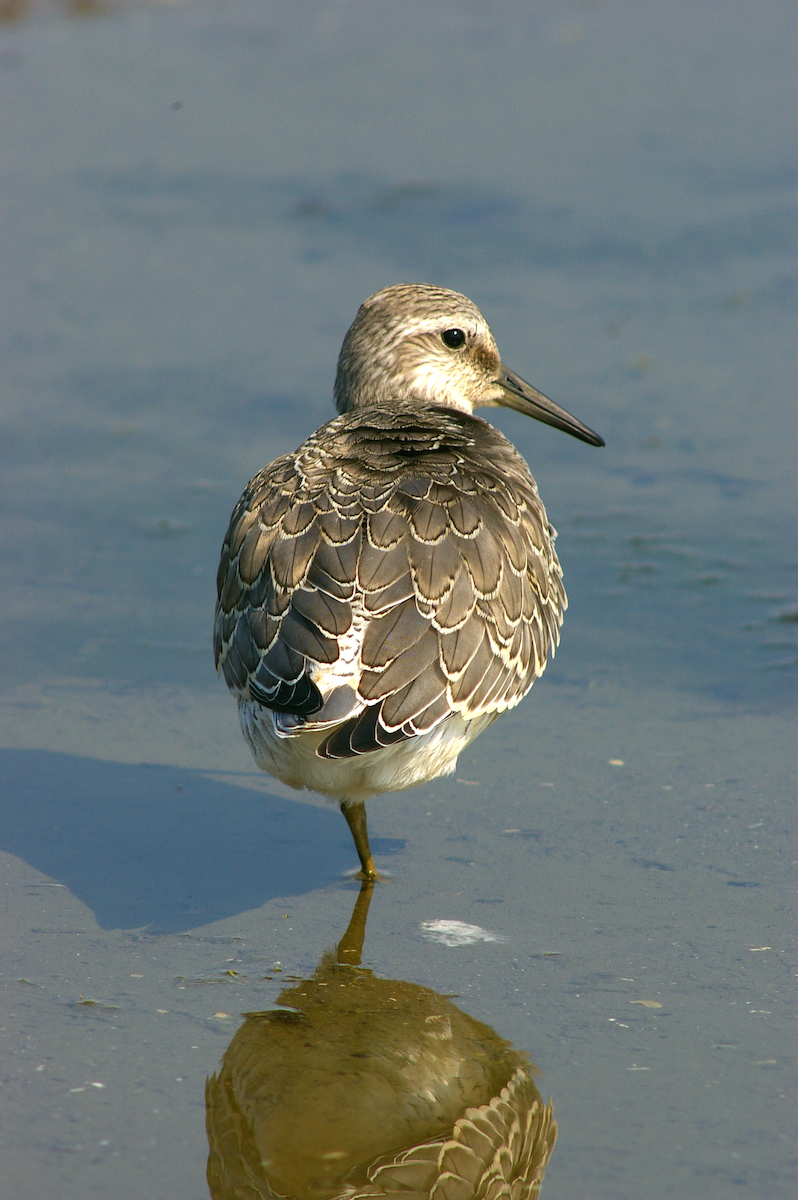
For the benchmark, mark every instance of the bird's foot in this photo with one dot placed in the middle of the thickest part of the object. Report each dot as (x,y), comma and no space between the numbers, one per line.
(365,876)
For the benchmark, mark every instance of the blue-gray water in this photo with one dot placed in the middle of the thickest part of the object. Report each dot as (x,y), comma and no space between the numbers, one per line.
(195,200)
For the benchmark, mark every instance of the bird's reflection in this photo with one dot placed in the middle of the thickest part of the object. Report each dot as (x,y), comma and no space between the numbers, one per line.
(367,1087)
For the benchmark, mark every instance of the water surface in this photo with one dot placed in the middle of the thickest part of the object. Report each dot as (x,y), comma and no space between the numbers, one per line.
(195,201)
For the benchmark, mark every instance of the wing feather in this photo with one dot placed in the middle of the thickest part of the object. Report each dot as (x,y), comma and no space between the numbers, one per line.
(400,559)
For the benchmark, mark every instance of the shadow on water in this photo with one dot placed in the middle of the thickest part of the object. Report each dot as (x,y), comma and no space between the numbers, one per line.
(163,847)
(361,1086)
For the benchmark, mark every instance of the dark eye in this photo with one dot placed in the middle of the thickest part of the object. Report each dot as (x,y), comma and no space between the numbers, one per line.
(453,338)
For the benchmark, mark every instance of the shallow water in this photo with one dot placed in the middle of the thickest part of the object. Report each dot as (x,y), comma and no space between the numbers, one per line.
(195,202)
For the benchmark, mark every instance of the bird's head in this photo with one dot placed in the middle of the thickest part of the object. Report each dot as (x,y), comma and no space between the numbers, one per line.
(427,344)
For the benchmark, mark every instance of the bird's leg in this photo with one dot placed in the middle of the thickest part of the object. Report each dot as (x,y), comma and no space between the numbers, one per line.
(355,814)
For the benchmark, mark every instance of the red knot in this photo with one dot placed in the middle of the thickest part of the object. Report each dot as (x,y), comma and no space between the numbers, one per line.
(390,588)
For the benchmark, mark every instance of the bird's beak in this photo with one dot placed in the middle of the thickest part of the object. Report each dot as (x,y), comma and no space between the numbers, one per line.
(518,394)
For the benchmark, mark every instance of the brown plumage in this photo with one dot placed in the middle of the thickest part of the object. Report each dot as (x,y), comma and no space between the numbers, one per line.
(498,1151)
(391,587)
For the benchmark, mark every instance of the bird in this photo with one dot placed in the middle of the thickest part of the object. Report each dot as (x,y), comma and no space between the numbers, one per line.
(391,587)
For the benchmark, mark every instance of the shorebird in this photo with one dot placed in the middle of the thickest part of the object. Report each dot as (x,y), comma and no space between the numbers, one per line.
(390,588)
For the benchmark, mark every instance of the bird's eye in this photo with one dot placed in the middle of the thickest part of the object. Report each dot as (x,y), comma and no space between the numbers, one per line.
(453,338)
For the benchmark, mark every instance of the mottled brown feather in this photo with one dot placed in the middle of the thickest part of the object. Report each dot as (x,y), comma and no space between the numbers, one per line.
(406,667)
(414,698)
(424,521)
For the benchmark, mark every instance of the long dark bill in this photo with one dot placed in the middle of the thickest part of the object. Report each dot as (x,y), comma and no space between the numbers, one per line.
(521,396)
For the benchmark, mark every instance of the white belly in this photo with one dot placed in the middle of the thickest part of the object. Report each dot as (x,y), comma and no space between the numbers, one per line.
(294,761)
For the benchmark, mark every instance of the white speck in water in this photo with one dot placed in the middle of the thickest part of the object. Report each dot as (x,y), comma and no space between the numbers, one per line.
(458,933)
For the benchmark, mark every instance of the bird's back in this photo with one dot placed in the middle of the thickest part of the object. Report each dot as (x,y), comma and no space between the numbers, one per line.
(394,573)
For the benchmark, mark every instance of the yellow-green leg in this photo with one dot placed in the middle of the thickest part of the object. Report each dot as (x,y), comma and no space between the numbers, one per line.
(355,814)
